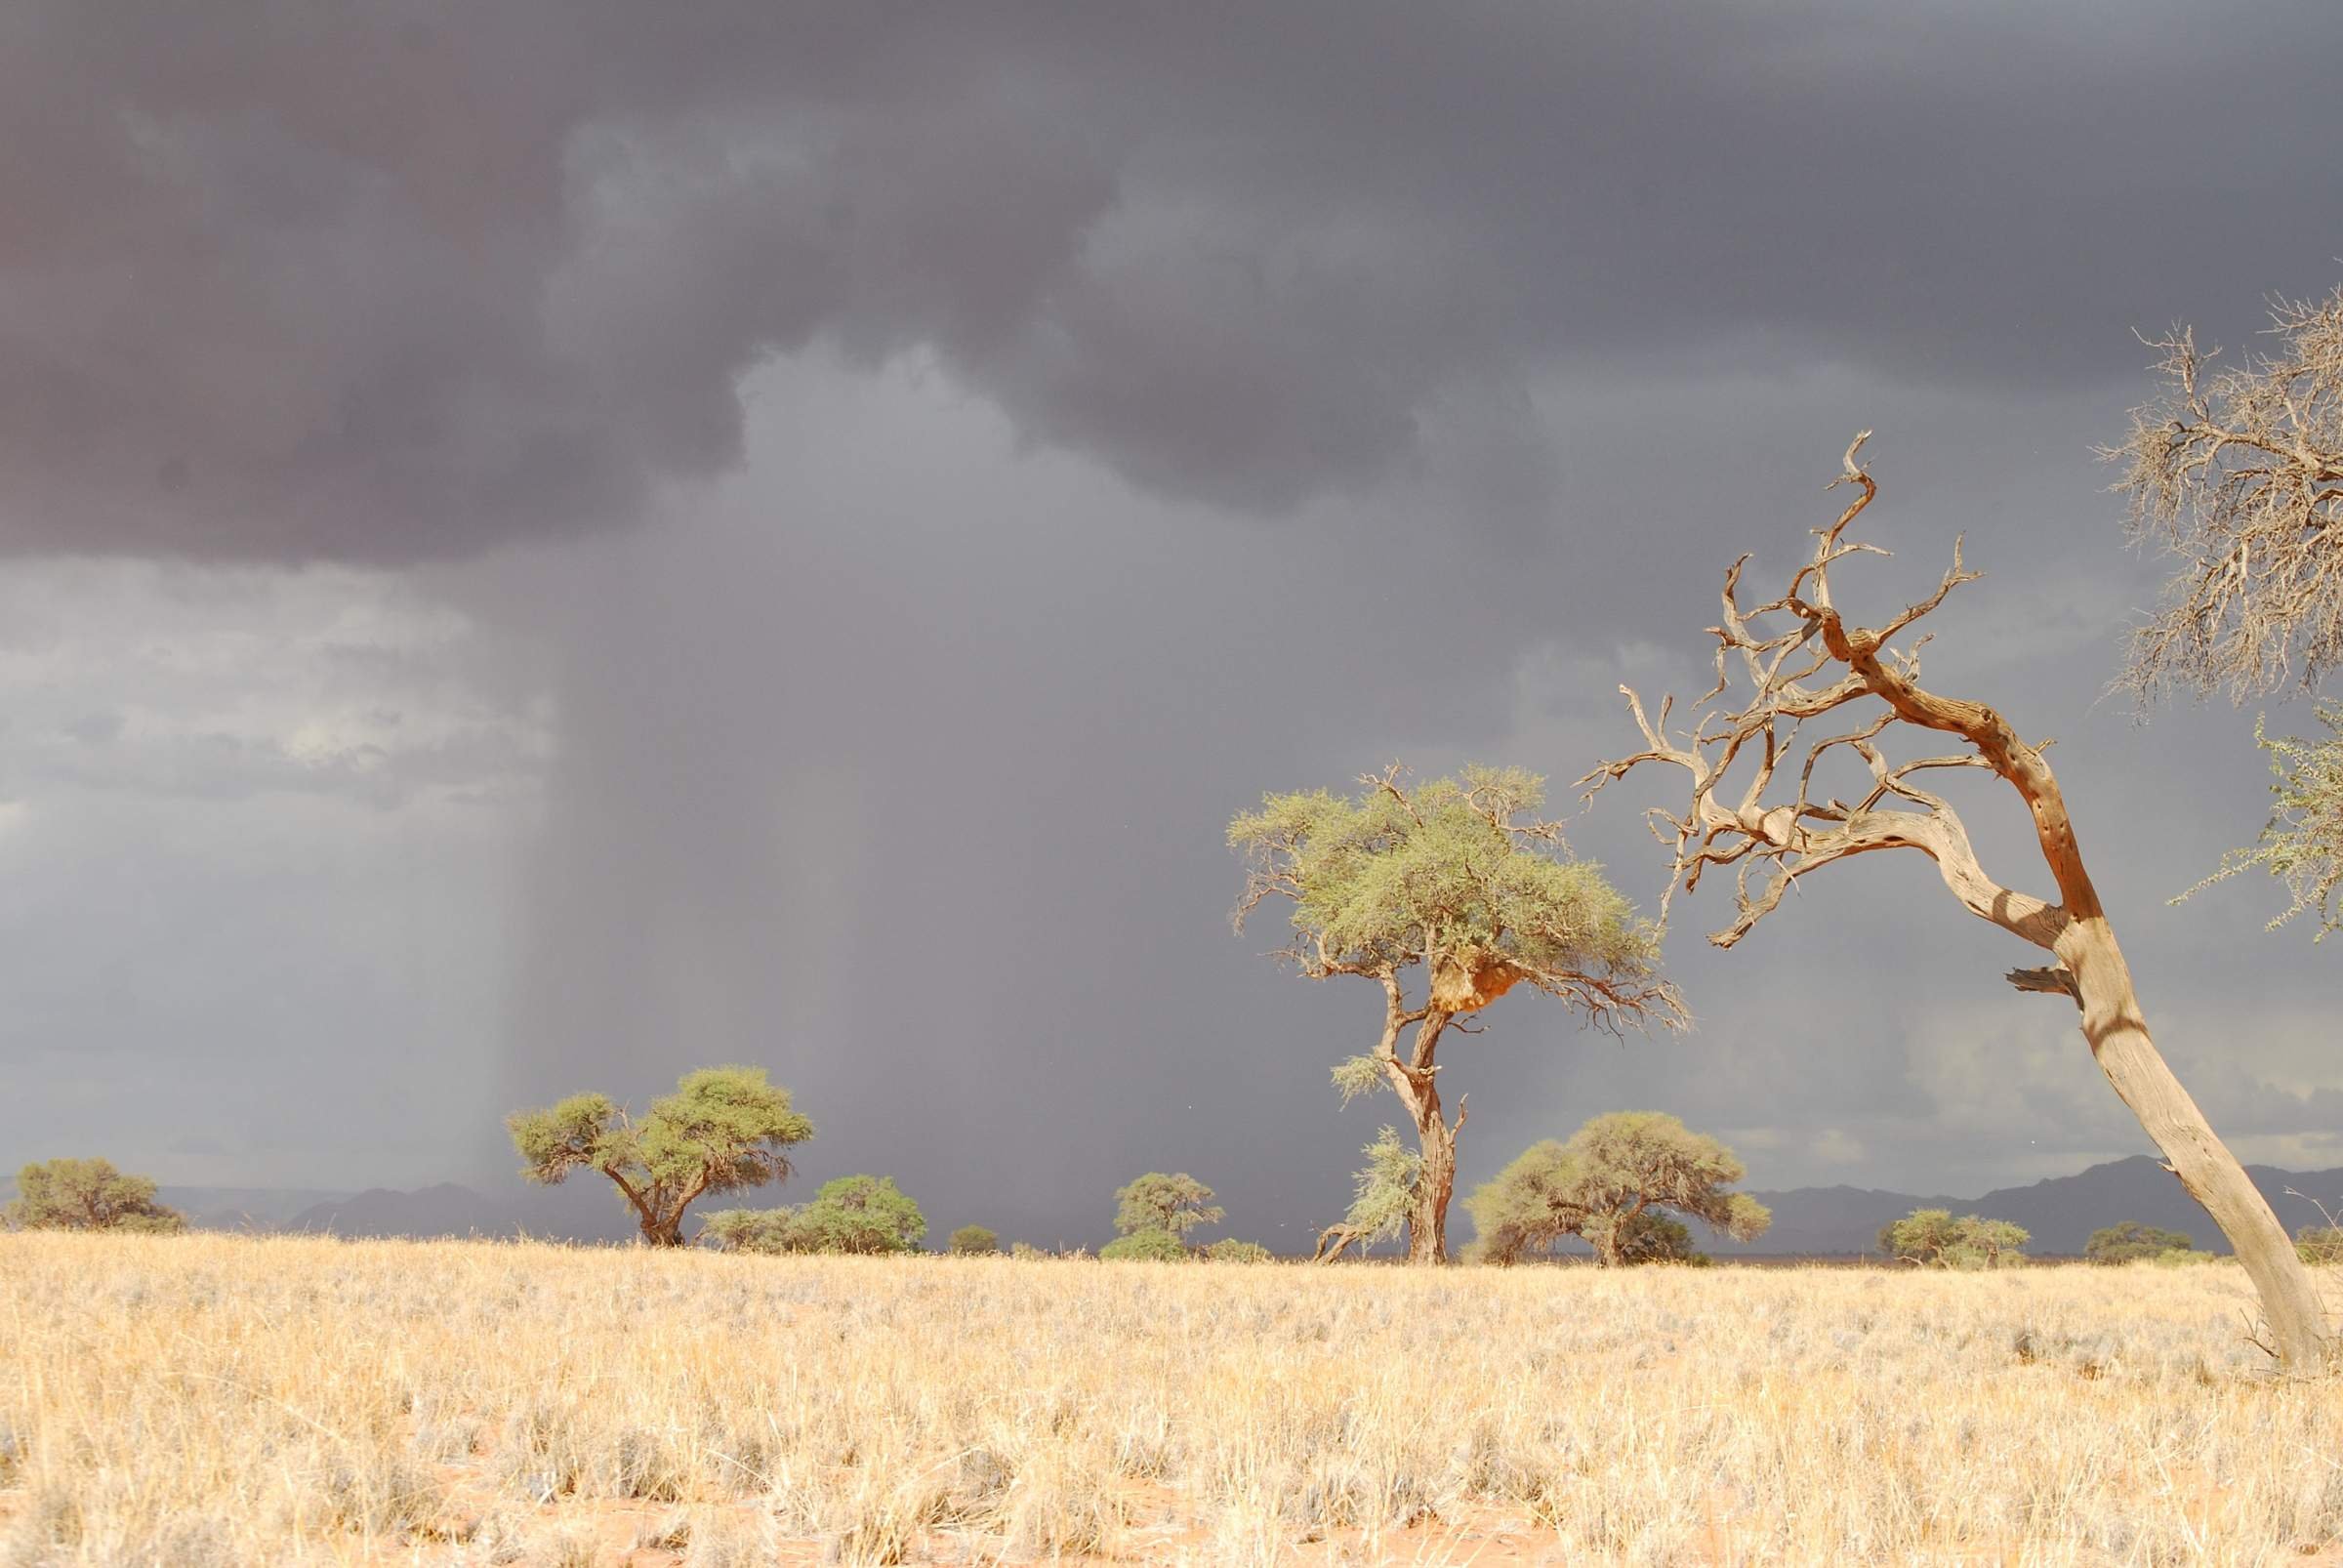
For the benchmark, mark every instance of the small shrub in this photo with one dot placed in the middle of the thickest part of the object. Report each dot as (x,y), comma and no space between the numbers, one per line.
(860,1214)
(856,1214)
(748,1230)
(2120,1244)
(1027,1250)
(1149,1246)
(2184,1258)
(2320,1245)
(973,1241)
(1237,1252)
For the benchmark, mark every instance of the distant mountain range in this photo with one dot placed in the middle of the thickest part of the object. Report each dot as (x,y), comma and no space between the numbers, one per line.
(2061,1213)
(1841,1221)
(243,1207)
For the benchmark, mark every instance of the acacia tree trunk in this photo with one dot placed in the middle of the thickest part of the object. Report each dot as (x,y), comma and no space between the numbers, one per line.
(1435,1136)
(1428,1227)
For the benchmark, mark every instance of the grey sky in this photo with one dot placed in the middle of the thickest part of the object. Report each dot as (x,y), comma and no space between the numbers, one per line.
(550,547)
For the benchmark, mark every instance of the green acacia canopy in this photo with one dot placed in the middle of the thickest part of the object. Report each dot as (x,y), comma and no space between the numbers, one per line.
(1629,1160)
(1456,875)
(1171,1203)
(723,1129)
(1616,1183)
(87,1195)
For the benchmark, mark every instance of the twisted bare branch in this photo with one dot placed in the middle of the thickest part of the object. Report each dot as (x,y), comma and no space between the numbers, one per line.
(1774,838)
(2238,474)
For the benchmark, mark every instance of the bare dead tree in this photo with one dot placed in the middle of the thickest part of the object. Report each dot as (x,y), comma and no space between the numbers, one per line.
(1799,660)
(2238,475)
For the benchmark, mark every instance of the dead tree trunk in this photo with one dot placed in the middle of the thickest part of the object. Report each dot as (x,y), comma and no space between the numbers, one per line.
(1333,1242)
(2119,1039)
(1803,834)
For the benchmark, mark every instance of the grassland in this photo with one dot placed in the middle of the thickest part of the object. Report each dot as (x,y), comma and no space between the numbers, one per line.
(204,1400)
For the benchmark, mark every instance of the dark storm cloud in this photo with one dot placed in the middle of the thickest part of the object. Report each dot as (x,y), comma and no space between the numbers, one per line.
(918,801)
(392,284)
(897,760)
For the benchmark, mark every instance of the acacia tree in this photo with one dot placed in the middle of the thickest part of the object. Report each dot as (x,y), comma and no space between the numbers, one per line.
(1932,1237)
(1172,1204)
(722,1130)
(87,1195)
(1528,1206)
(1627,1162)
(1618,1184)
(1799,660)
(1457,887)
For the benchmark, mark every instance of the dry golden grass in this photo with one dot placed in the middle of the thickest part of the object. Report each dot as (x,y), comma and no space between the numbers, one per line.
(207,1400)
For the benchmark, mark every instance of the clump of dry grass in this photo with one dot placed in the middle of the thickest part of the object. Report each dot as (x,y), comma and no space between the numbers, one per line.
(209,1399)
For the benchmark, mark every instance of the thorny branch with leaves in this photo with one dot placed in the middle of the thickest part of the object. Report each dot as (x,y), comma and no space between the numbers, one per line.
(1772,844)
(2302,843)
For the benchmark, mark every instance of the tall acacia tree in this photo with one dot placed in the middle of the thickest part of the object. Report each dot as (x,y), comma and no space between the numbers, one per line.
(1799,660)
(2238,474)
(1458,889)
(722,1130)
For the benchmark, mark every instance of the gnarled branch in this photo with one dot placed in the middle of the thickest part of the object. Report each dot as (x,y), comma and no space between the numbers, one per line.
(1773,840)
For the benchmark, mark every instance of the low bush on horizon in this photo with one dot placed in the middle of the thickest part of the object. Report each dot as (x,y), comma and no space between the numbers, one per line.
(853,1214)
